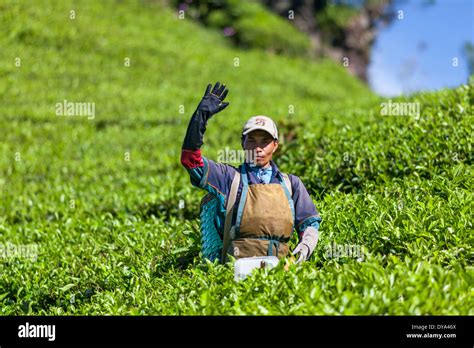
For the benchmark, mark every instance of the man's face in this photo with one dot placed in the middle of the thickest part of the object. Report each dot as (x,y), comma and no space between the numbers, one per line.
(262,145)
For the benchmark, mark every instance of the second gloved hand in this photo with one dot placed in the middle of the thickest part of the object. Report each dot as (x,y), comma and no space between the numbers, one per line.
(308,243)
(302,251)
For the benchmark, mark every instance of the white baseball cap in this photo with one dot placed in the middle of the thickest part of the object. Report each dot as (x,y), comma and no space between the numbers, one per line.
(260,122)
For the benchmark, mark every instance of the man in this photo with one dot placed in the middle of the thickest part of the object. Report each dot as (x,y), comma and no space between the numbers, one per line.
(269,205)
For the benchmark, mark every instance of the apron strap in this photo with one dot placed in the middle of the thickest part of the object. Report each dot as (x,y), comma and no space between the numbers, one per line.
(243,198)
(271,242)
(288,196)
(228,216)
(287,181)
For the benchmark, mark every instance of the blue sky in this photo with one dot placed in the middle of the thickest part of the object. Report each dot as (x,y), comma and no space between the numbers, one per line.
(416,53)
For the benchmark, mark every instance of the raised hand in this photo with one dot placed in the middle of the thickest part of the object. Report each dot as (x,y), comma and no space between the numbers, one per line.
(213,101)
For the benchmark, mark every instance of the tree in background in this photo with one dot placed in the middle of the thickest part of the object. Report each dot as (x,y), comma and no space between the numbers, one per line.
(343,30)
(468,51)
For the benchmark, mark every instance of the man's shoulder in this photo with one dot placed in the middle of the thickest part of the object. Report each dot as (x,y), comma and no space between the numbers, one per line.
(232,170)
(225,171)
(294,179)
(297,184)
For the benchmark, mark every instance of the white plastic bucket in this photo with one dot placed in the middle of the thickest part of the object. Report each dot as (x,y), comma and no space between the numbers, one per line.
(244,266)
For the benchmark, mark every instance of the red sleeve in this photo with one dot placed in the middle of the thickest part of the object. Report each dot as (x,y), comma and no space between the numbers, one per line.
(191,158)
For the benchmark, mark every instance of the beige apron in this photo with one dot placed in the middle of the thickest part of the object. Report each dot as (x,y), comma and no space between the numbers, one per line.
(264,221)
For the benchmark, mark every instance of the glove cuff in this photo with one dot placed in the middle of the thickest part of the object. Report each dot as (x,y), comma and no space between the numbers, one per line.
(310,239)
